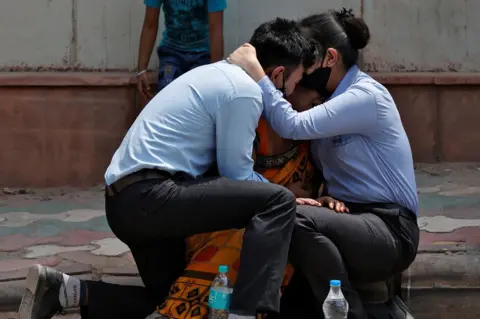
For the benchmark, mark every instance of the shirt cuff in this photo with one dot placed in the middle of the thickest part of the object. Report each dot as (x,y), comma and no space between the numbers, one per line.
(263,179)
(266,85)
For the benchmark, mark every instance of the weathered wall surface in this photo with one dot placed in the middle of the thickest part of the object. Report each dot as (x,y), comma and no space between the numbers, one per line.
(427,35)
(45,144)
(408,35)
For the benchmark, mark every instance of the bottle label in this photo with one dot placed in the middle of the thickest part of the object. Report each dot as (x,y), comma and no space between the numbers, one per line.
(219,300)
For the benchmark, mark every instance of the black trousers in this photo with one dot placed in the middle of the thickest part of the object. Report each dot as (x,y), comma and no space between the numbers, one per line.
(370,244)
(154,217)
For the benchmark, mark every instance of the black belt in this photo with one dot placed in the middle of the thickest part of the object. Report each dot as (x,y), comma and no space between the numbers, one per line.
(368,207)
(142,175)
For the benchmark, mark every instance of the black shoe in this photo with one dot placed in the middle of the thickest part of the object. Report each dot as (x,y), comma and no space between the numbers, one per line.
(41,297)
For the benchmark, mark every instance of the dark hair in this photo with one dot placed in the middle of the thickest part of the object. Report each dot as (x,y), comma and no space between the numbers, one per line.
(340,30)
(283,42)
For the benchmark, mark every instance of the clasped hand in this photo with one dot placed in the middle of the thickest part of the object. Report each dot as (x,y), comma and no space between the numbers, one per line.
(324,201)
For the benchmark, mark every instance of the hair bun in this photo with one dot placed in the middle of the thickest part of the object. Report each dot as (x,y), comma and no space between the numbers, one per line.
(356,29)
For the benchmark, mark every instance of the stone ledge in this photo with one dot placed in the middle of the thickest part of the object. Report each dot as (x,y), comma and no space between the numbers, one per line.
(431,274)
(123,280)
(20,274)
(443,271)
(427,78)
(116,78)
(66,79)
(124,271)
(42,79)
(13,315)
(444,303)
(97,108)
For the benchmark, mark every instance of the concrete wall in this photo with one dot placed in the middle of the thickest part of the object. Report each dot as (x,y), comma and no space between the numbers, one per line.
(408,35)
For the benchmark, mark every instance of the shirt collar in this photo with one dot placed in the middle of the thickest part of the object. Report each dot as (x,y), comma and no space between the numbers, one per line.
(347,80)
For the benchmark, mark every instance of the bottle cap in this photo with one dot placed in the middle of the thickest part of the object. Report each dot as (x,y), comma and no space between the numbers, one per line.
(223,269)
(335,283)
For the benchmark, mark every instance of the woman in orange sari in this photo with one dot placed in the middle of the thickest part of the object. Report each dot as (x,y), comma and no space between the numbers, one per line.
(281,161)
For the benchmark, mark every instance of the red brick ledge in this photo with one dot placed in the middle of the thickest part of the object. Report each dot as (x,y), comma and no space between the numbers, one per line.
(128,78)
(66,79)
(427,78)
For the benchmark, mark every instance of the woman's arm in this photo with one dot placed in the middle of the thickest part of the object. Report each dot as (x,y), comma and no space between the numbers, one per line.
(352,112)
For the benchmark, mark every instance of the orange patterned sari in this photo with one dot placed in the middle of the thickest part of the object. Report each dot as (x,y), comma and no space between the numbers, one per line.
(188,297)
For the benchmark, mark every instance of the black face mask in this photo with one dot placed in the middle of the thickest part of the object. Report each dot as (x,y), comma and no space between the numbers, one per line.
(317,81)
(282,89)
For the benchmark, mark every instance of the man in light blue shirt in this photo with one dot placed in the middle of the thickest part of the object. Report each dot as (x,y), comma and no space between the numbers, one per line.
(157,193)
(207,116)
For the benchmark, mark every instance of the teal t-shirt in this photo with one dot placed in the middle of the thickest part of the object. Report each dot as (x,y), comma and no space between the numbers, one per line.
(186,22)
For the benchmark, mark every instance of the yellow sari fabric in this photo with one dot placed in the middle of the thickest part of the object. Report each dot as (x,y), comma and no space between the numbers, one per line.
(188,297)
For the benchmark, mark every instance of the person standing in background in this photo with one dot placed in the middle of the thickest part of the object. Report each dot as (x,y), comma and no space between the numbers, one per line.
(193,36)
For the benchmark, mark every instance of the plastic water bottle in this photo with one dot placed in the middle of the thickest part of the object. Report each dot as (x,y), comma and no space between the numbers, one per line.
(220,293)
(335,306)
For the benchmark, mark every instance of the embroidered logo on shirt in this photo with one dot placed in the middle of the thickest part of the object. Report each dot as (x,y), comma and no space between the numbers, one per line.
(341,140)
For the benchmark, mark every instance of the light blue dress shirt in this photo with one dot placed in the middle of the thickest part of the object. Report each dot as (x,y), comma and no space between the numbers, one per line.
(209,114)
(359,140)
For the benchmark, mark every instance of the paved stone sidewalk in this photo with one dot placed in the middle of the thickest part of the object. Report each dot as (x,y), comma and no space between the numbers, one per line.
(67,229)
(12,315)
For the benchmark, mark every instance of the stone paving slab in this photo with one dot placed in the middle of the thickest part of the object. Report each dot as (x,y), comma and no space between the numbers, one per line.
(445,304)
(443,270)
(13,315)
(66,228)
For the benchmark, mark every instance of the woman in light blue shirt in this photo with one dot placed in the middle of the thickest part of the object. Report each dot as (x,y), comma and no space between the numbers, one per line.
(360,144)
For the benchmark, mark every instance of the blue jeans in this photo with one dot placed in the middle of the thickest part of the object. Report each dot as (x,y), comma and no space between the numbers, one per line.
(174,63)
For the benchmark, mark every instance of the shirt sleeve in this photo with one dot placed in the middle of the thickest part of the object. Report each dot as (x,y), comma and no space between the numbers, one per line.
(236,125)
(153,3)
(353,112)
(216,5)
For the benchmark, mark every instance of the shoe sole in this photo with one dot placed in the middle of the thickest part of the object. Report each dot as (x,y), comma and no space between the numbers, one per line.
(33,283)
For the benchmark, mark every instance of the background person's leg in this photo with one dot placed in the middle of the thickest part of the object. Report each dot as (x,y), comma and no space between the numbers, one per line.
(196,59)
(171,65)
(327,245)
